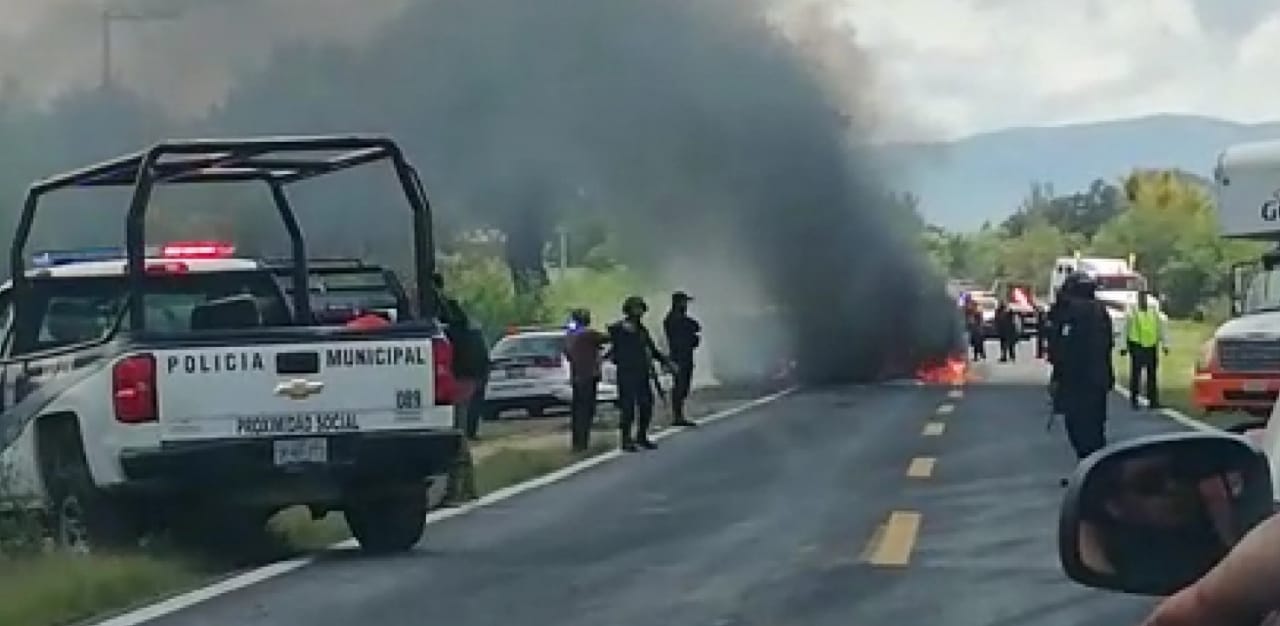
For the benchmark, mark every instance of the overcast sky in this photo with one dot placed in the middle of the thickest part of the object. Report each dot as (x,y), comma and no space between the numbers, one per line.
(961,66)
(946,67)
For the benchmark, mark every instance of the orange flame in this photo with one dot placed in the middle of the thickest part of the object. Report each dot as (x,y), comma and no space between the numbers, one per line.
(952,371)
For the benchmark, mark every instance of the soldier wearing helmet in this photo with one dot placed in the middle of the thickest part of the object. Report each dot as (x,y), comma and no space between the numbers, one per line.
(633,352)
(1081,354)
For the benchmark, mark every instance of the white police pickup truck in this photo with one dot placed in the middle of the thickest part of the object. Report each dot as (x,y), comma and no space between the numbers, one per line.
(141,385)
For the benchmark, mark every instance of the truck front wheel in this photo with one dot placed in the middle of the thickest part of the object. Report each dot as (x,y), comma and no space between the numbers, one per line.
(388,521)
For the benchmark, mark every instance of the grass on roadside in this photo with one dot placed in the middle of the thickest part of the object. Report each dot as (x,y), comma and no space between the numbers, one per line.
(56,589)
(59,588)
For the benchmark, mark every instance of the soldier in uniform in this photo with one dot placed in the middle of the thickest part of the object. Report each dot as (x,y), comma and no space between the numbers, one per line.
(1082,365)
(470,369)
(683,337)
(633,353)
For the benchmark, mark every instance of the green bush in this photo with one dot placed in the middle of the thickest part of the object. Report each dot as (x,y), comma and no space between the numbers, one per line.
(483,285)
(599,291)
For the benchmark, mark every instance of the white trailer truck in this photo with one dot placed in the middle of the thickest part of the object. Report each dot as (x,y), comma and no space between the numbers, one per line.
(1239,367)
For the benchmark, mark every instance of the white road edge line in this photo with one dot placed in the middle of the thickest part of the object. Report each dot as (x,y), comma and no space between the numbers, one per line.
(1173,414)
(191,598)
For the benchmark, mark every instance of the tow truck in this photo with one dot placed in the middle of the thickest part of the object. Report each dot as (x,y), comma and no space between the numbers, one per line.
(138,387)
(1022,302)
(1239,366)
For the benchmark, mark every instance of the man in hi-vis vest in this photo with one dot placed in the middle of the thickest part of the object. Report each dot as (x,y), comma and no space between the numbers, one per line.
(1144,337)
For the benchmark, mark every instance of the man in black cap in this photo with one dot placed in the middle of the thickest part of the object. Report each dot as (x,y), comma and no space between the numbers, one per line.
(682,339)
(1082,364)
(633,352)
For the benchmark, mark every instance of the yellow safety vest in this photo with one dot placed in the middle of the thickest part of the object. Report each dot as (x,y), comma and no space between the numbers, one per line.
(1144,327)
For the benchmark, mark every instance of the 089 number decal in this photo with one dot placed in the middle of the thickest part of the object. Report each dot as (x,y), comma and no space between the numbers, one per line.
(408,399)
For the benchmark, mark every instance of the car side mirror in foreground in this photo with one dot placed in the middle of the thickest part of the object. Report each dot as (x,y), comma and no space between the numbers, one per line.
(1151,515)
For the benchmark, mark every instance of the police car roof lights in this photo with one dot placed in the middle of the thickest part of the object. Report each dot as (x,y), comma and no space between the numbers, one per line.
(54,258)
(173,250)
(198,250)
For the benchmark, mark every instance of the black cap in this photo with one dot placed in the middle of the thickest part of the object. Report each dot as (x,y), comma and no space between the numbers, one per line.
(681,296)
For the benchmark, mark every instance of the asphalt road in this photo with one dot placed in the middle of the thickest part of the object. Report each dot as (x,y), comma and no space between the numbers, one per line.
(863,505)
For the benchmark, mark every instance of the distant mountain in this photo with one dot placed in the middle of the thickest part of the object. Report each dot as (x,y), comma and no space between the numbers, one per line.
(984,177)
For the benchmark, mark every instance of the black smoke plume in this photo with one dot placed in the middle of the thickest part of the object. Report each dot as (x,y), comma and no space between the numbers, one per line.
(728,155)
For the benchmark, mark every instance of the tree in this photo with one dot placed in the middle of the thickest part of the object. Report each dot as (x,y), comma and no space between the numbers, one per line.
(1082,213)
(1172,228)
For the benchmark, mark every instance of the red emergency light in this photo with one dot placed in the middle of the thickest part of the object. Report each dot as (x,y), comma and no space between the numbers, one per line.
(198,250)
(167,267)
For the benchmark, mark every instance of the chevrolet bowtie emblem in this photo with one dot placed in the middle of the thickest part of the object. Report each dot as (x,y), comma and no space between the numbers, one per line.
(299,388)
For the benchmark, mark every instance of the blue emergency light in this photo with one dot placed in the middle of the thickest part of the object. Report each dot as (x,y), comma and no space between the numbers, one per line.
(55,258)
(179,250)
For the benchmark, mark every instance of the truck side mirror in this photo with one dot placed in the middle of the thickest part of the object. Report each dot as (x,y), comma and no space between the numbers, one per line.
(1151,515)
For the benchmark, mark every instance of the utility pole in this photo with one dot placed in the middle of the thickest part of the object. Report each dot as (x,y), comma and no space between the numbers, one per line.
(112,15)
(564,250)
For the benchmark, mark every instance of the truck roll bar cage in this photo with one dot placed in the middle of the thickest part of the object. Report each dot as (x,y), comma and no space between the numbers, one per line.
(276,161)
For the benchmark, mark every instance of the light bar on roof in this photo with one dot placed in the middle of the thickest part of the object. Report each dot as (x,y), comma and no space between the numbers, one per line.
(54,258)
(197,250)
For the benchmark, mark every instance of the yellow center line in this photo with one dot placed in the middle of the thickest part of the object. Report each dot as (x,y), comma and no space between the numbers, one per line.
(933,429)
(921,467)
(946,409)
(896,539)
(955,393)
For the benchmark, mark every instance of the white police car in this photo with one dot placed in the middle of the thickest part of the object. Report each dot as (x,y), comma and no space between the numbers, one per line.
(529,371)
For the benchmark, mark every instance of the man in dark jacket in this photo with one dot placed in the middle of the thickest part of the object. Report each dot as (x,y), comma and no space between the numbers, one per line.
(1042,332)
(470,371)
(682,339)
(1052,320)
(633,353)
(1007,330)
(1083,365)
(977,334)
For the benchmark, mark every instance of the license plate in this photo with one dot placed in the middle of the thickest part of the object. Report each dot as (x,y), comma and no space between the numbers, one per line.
(1254,385)
(303,450)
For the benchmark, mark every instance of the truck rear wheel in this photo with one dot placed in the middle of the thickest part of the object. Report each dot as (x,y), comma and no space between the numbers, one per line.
(388,521)
(83,517)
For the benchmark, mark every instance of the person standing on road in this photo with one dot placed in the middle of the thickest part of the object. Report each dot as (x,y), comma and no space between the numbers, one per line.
(1042,332)
(682,339)
(1083,365)
(582,349)
(977,335)
(633,353)
(1053,320)
(1007,331)
(479,346)
(470,366)
(1144,337)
